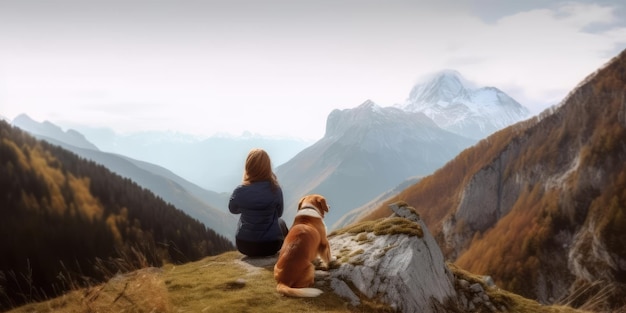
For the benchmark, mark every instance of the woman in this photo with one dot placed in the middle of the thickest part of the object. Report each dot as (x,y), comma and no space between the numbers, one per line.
(259,200)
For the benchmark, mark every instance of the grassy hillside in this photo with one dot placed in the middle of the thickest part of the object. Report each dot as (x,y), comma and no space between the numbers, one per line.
(226,283)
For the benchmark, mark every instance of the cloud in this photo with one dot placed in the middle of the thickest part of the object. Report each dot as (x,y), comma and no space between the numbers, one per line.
(539,55)
(207,66)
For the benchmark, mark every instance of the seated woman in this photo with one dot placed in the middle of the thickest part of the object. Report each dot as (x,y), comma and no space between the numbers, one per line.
(259,200)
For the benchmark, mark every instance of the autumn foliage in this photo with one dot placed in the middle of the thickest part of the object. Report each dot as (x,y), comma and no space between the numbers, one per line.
(569,168)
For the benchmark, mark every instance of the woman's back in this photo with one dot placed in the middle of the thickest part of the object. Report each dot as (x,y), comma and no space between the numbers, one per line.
(259,200)
(260,206)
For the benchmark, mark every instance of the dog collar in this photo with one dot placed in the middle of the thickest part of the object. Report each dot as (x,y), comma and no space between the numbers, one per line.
(308,207)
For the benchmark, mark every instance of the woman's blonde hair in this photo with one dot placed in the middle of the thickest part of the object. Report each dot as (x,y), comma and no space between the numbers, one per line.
(259,168)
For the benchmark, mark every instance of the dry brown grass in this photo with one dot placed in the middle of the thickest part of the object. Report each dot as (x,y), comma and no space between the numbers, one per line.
(225,283)
(139,291)
(384,226)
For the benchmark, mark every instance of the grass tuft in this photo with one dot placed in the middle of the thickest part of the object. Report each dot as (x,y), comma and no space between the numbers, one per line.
(385,226)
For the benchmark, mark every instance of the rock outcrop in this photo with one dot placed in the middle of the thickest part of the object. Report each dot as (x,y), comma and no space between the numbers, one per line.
(395,262)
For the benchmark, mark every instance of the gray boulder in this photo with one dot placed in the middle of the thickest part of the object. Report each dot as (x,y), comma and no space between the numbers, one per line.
(393,261)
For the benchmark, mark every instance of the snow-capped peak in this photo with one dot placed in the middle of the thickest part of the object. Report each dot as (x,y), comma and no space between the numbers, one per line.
(439,88)
(459,106)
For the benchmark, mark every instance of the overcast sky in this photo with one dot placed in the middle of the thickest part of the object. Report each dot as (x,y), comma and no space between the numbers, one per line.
(280,67)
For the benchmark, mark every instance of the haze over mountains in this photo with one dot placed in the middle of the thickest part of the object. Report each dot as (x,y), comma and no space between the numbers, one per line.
(214,163)
(366,151)
(370,149)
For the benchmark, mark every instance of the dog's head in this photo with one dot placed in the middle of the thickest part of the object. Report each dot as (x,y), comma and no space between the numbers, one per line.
(316,201)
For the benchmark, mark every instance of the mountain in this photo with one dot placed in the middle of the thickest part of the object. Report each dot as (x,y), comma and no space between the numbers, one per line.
(206,206)
(541,205)
(50,130)
(215,163)
(66,223)
(456,105)
(364,152)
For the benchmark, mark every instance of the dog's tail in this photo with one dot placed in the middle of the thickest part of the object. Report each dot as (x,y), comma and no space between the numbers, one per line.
(298,292)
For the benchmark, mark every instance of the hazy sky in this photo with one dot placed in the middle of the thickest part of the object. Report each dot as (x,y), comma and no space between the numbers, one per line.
(280,67)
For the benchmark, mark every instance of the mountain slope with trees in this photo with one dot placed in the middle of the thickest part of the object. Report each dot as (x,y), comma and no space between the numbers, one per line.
(206,206)
(66,221)
(541,205)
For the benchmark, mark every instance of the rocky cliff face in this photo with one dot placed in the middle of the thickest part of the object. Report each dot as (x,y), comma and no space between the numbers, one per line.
(571,182)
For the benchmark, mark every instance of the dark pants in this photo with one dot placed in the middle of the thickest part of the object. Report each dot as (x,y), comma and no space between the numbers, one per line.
(262,248)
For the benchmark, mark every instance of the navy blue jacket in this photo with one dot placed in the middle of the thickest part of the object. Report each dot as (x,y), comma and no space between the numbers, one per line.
(260,208)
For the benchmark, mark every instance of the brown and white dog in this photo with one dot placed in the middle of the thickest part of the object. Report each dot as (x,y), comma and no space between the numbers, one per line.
(294,271)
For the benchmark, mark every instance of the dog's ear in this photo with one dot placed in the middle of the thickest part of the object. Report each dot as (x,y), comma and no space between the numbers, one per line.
(321,201)
(300,203)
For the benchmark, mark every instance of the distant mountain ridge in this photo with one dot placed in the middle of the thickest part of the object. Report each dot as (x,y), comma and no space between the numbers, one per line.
(214,163)
(364,152)
(455,104)
(50,130)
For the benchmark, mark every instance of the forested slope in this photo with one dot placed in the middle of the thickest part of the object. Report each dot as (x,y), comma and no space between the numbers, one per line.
(66,221)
